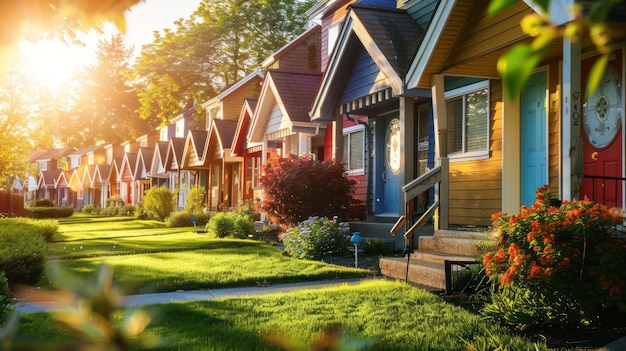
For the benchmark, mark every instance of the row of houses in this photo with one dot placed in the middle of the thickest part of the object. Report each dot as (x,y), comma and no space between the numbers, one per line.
(395,88)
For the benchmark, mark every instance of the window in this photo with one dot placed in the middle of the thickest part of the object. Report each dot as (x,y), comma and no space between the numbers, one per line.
(75,162)
(354,149)
(43,166)
(468,120)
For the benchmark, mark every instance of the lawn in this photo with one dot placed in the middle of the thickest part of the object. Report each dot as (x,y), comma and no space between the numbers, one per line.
(380,314)
(147,257)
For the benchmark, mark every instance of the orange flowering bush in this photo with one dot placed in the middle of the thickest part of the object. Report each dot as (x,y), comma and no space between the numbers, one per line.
(566,256)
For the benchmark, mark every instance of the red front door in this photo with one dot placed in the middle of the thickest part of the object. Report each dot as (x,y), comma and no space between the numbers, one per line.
(602,134)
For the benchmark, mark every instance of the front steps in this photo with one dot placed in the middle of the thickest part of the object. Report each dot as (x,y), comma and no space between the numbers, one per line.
(426,265)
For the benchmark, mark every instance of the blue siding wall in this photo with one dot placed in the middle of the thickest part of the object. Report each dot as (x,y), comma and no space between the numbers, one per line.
(421,11)
(363,79)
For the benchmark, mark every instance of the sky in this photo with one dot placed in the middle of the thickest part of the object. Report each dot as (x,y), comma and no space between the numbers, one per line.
(54,61)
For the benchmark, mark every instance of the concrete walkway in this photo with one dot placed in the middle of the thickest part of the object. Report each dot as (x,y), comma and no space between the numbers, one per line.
(200,295)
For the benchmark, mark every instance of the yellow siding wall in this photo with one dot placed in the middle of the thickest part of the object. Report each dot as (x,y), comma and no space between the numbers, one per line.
(476,186)
(554,113)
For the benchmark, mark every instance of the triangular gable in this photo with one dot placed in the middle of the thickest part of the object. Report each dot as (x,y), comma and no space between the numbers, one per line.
(63,180)
(389,38)
(76,179)
(174,156)
(128,166)
(102,173)
(221,135)
(88,176)
(143,164)
(47,179)
(194,148)
(239,143)
(446,49)
(286,96)
(157,168)
(116,166)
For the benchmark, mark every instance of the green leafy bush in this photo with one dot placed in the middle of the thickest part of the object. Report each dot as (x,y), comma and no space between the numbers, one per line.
(244,226)
(222,225)
(159,201)
(375,247)
(52,212)
(44,228)
(317,237)
(296,188)
(88,209)
(562,256)
(43,203)
(23,253)
(194,202)
(183,219)
(6,307)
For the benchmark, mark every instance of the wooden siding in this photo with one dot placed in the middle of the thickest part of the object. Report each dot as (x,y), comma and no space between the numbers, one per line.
(484,34)
(327,21)
(421,11)
(476,186)
(277,121)
(231,104)
(304,57)
(365,78)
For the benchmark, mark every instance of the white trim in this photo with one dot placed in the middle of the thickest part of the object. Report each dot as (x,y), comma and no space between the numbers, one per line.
(462,91)
(349,131)
(465,89)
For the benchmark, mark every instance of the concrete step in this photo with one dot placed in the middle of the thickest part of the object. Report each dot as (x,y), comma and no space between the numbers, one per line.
(438,258)
(448,245)
(461,234)
(427,275)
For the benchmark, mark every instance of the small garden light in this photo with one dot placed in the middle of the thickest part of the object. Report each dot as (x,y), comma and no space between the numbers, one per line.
(356,240)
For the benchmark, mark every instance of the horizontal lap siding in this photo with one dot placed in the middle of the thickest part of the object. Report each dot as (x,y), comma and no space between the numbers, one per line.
(476,186)
(553,128)
(365,78)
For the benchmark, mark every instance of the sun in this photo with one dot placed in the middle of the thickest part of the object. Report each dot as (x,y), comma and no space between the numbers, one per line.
(54,61)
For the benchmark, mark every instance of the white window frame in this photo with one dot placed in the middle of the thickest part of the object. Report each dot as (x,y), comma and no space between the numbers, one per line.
(465,90)
(347,133)
(43,165)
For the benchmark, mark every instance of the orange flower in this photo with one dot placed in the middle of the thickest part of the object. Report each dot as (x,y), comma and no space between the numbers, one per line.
(564,263)
(499,256)
(534,271)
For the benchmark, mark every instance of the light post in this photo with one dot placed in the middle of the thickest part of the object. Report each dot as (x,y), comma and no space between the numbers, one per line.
(356,240)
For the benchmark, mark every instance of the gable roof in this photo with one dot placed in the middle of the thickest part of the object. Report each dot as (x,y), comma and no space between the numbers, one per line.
(388,35)
(88,176)
(128,165)
(289,46)
(175,148)
(102,173)
(158,160)
(243,123)
(48,179)
(53,154)
(293,93)
(195,144)
(144,162)
(221,135)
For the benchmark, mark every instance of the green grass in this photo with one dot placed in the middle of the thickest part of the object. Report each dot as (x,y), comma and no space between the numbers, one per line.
(388,315)
(149,258)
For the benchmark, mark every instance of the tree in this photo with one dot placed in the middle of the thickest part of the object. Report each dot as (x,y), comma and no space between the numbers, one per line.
(518,63)
(27,18)
(23,123)
(221,43)
(106,103)
(297,188)
(159,201)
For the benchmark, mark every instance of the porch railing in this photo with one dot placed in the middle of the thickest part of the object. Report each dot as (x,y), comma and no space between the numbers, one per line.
(437,178)
(604,190)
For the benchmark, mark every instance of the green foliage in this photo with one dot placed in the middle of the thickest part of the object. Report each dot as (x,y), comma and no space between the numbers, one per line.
(44,228)
(52,212)
(296,188)
(222,225)
(519,62)
(194,203)
(244,226)
(183,219)
(564,257)
(43,203)
(159,201)
(6,306)
(317,237)
(23,253)
(375,247)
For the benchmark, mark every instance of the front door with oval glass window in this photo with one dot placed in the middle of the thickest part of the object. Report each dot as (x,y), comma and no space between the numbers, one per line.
(602,135)
(392,166)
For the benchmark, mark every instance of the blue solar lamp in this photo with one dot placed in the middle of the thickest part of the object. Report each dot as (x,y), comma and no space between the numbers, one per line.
(356,240)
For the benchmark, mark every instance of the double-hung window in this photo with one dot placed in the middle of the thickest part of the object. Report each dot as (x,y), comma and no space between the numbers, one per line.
(467,110)
(354,149)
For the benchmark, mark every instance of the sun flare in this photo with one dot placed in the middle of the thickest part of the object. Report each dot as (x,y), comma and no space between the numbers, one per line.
(54,61)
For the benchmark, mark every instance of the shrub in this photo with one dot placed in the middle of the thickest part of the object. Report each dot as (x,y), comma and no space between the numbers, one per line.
(88,209)
(296,188)
(244,226)
(159,202)
(563,256)
(194,202)
(183,219)
(43,203)
(52,212)
(23,254)
(222,225)
(375,247)
(6,307)
(44,228)
(317,237)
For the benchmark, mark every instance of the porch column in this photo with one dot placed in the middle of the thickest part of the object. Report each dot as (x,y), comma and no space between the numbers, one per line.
(440,121)
(407,134)
(572,169)
(338,136)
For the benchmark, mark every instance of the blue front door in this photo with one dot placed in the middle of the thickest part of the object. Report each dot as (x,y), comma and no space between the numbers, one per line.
(391,166)
(533,138)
